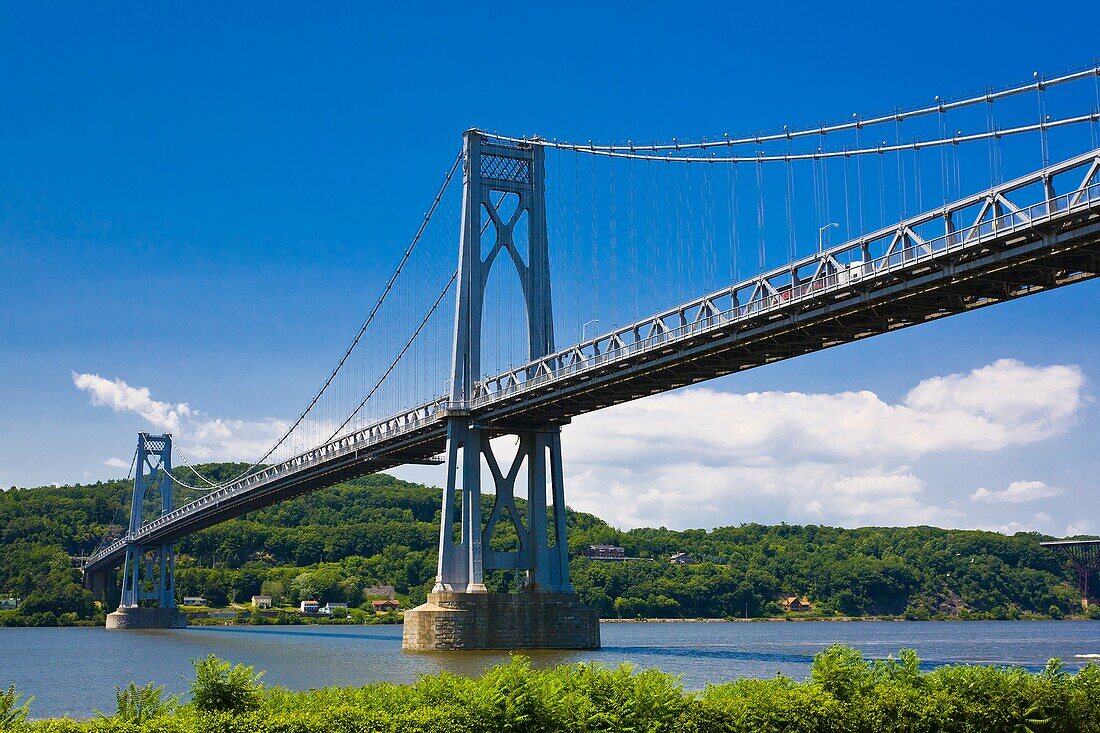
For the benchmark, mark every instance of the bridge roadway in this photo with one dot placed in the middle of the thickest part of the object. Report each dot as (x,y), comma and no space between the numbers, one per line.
(888,280)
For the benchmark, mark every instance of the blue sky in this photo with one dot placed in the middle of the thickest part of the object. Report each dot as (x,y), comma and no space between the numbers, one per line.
(205,204)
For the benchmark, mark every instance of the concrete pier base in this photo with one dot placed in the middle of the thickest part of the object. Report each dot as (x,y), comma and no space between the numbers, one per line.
(146,618)
(470,621)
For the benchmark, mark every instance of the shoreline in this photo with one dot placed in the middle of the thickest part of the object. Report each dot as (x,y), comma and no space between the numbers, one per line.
(824,619)
(202,621)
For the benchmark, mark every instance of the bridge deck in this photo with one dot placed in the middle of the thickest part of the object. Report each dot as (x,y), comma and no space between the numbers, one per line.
(1023,250)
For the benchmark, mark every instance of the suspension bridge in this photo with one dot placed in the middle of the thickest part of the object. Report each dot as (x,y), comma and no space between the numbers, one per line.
(726,274)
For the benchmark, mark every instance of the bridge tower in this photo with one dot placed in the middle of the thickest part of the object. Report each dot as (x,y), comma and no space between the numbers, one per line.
(503,190)
(149,573)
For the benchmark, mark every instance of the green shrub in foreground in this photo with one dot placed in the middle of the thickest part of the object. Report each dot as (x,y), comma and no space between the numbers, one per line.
(12,712)
(139,705)
(844,693)
(221,687)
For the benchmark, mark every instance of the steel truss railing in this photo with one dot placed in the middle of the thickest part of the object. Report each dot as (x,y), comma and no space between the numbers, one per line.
(905,245)
(885,252)
(364,439)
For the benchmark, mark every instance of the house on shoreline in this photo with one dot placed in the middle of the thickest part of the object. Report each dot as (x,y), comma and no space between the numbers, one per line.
(796,604)
(604,552)
(386,605)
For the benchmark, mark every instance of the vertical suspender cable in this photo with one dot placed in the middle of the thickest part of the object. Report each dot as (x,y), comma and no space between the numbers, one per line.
(825,181)
(942,118)
(917,180)
(994,145)
(760,210)
(595,244)
(613,234)
(790,212)
(632,239)
(847,199)
(881,190)
(576,243)
(708,227)
(903,198)
(684,260)
(1040,98)
(817,191)
(735,273)
(859,175)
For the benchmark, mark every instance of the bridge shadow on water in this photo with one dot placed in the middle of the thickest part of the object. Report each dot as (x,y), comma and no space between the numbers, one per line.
(353,634)
(642,656)
(685,652)
(705,653)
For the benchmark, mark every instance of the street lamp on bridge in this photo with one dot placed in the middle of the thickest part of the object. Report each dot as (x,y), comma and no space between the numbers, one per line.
(821,235)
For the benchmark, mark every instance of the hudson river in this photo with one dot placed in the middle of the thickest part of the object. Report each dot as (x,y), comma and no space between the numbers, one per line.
(74,671)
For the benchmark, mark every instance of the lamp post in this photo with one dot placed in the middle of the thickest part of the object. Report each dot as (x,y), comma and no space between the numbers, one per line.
(584,328)
(821,235)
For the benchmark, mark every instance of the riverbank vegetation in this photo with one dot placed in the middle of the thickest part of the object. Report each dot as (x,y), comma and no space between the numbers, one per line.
(844,693)
(343,543)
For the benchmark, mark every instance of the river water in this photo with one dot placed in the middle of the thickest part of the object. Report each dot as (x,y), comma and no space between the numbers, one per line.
(73,671)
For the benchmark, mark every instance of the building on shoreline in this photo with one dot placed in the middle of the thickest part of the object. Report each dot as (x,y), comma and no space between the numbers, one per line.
(796,604)
(388,605)
(604,552)
(681,558)
(261,601)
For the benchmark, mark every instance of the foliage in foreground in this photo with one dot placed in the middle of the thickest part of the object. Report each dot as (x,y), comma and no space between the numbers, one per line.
(11,711)
(135,704)
(845,693)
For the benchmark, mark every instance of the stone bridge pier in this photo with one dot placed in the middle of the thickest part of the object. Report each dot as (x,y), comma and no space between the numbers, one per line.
(503,188)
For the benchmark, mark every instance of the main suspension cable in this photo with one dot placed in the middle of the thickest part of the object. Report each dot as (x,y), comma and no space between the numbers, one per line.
(358,336)
(191,468)
(824,154)
(119,506)
(857,122)
(393,364)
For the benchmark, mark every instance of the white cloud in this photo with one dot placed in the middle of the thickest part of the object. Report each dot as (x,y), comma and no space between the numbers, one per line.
(203,438)
(1038,523)
(121,397)
(1078,528)
(116,463)
(700,457)
(1017,492)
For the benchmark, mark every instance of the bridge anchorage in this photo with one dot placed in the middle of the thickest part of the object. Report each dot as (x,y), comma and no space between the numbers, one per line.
(503,189)
(149,573)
